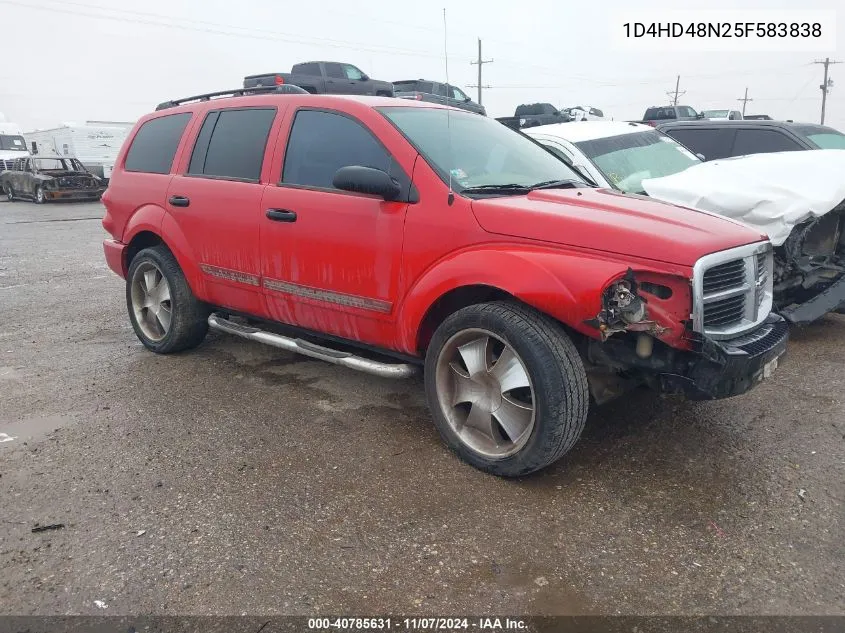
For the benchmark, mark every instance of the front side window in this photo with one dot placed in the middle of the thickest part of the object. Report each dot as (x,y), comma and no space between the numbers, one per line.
(54,164)
(154,146)
(458,94)
(476,151)
(711,143)
(320,143)
(752,141)
(628,159)
(231,144)
(352,73)
(687,111)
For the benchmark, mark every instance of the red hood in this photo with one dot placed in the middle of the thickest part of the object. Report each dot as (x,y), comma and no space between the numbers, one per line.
(609,221)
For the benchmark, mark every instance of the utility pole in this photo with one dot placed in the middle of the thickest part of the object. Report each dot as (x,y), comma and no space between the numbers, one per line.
(480,63)
(745,100)
(677,93)
(827,84)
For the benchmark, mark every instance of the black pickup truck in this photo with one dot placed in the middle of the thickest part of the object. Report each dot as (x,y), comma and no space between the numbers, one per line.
(436,92)
(656,115)
(324,78)
(533,114)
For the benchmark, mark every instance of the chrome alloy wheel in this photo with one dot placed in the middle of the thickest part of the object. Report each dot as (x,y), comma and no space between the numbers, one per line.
(485,393)
(151,303)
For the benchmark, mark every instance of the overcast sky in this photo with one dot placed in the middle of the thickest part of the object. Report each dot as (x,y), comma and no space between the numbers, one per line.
(75,61)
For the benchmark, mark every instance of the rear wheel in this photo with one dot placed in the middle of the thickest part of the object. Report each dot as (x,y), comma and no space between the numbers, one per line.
(506,387)
(165,314)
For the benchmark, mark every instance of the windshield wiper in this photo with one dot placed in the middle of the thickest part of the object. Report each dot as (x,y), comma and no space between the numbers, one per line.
(501,189)
(557,184)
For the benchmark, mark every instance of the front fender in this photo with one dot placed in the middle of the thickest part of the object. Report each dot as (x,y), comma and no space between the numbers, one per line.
(565,285)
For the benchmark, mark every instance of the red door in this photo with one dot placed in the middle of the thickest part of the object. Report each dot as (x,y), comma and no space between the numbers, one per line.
(330,259)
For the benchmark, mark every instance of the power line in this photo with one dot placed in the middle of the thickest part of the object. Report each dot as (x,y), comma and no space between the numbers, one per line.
(480,62)
(827,83)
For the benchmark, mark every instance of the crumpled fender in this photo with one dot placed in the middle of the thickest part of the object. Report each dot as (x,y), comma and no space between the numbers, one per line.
(564,284)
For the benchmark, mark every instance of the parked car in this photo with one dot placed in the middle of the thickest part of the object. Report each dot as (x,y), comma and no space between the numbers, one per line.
(804,217)
(436,92)
(45,179)
(386,235)
(722,115)
(658,114)
(531,114)
(722,139)
(324,78)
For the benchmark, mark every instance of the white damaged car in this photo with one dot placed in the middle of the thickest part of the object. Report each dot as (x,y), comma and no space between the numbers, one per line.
(796,198)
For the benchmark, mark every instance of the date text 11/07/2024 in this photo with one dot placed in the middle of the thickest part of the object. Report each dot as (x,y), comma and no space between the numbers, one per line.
(417,624)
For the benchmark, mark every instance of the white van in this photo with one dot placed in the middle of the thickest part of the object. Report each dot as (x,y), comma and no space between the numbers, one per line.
(12,143)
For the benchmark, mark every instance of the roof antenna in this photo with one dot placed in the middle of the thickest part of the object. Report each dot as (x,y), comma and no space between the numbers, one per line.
(451,197)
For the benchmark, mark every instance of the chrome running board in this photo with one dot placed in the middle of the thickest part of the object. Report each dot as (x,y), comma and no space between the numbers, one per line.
(336,357)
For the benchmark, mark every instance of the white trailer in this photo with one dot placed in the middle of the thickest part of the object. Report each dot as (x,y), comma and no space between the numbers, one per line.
(95,143)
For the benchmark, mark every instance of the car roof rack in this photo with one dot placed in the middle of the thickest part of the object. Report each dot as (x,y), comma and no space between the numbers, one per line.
(237,92)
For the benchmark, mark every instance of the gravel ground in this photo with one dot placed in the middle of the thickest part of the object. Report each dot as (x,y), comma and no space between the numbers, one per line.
(241,479)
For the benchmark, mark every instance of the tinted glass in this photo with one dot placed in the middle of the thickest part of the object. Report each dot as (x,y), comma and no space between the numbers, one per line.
(475,150)
(710,142)
(307,69)
(822,136)
(335,71)
(154,146)
(407,86)
(762,142)
(320,143)
(628,159)
(12,143)
(236,145)
(351,72)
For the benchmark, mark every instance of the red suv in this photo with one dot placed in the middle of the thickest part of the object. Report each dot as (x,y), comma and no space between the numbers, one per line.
(386,235)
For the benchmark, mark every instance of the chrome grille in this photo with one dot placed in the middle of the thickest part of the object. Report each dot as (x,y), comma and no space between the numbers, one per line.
(732,290)
(724,276)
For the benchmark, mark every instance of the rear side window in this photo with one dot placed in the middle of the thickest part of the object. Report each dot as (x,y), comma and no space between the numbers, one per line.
(762,142)
(154,146)
(231,144)
(307,69)
(711,143)
(335,71)
(320,143)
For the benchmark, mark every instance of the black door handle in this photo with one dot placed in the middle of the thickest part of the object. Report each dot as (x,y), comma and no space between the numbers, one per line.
(281,215)
(179,201)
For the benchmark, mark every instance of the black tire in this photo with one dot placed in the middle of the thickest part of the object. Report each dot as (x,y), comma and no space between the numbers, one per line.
(10,193)
(189,321)
(554,367)
(38,198)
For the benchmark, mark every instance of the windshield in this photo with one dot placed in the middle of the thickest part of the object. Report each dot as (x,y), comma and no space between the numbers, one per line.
(12,143)
(50,164)
(824,137)
(482,151)
(716,114)
(628,159)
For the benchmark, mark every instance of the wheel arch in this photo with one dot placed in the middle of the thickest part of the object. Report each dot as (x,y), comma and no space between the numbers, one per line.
(564,286)
(147,237)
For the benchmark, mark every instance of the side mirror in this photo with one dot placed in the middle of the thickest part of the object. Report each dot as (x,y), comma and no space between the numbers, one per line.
(365,77)
(700,115)
(367,180)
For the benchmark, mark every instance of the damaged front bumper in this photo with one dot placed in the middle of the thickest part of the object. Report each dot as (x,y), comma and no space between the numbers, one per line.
(830,300)
(721,369)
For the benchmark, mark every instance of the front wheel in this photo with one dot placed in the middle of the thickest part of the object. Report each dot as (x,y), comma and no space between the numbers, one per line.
(506,387)
(10,193)
(39,195)
(165,314)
